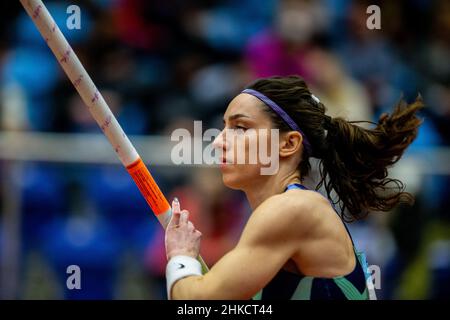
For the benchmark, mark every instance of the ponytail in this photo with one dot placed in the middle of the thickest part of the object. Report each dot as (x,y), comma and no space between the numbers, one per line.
(355,160)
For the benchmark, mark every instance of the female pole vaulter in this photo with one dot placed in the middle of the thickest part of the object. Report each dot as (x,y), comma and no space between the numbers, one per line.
(295,245)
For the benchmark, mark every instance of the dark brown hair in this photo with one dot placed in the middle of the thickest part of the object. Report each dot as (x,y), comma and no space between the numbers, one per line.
(353,160)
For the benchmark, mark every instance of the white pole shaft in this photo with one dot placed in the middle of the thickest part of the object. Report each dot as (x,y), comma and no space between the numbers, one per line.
(93,100)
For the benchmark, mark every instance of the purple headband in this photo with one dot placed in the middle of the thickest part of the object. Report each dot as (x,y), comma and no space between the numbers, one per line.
(277,109)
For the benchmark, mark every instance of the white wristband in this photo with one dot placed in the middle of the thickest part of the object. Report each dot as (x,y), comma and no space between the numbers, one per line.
(180,267)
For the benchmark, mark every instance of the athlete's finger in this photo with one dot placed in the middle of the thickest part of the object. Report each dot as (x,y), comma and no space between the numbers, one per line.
(184,218)
(176,212)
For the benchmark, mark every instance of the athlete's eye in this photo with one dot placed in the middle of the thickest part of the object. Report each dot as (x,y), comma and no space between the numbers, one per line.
(240,128)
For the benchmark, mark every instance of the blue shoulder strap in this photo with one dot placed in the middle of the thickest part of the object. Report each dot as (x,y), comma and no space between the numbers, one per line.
(296,186)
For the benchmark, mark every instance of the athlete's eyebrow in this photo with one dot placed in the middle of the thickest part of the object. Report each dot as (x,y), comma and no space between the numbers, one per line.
(236,116)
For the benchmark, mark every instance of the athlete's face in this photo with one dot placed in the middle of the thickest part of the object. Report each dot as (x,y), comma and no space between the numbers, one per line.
(245,142)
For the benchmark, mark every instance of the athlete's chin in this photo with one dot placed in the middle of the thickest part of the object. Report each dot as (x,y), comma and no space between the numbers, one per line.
(238,177)
(232,180)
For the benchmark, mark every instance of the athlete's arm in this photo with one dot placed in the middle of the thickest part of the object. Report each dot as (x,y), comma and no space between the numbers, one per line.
(269,239)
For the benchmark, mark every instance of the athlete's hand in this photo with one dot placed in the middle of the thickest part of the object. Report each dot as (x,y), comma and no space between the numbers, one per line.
(181,236)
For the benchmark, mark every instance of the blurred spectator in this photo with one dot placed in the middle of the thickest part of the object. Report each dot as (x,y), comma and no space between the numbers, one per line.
(342,96)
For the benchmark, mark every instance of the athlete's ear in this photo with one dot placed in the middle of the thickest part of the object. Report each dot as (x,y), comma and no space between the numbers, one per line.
(290,143)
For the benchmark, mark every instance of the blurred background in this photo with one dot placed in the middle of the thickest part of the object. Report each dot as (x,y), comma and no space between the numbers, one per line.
(65,199)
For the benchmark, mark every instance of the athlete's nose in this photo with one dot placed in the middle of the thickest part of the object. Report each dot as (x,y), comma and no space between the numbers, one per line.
(220,141)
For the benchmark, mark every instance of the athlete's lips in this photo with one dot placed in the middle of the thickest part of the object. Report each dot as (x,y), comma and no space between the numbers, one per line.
(224,162)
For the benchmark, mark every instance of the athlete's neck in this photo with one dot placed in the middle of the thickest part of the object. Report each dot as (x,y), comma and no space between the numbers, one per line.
(276,184)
